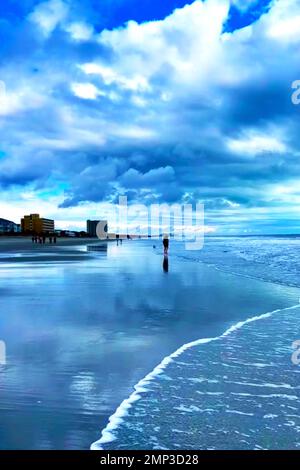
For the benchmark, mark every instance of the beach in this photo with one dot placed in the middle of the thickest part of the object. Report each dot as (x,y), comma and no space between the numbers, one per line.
(84,322)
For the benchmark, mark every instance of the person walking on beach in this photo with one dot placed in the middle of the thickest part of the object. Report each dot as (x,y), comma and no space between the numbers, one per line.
(166,244)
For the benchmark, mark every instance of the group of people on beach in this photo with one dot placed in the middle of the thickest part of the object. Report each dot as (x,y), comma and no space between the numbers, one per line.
(42,239)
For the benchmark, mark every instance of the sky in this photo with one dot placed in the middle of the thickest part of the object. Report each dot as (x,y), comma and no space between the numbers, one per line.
(161,101)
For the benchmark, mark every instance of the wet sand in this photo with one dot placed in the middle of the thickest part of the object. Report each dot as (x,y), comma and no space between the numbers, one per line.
(21,249)
(9,244)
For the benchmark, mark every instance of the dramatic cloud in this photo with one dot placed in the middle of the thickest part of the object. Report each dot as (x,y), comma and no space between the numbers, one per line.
(177,109)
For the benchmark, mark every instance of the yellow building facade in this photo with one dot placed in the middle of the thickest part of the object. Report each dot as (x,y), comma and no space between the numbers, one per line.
(33,223)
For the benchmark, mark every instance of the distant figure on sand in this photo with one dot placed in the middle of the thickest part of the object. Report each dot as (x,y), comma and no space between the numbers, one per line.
(166,244)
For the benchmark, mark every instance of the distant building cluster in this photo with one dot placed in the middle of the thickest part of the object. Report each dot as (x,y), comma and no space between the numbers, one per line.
(35,225)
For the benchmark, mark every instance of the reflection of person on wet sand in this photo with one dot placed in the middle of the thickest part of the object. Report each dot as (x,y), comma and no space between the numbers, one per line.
(166,264)
(166,244)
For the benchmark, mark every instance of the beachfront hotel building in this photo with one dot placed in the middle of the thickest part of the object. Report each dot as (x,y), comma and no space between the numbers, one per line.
(91,227)
(33,223)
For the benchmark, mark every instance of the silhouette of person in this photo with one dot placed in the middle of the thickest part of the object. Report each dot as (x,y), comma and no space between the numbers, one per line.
(166,264)
(166,244)
(54,239)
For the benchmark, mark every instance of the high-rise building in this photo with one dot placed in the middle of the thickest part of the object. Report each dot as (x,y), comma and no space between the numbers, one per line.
(33,223)
(91,227)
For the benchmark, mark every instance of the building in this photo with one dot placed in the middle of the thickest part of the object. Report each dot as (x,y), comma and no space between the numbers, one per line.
(33,223)
(91,227)
(6,226)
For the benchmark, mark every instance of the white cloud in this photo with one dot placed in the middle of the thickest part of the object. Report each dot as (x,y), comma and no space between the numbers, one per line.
(80,31)
(133,132)
(110,76)
(19,99)
(286,29)
(188,41)
(86,91)
(255,144)
(282,23)
(48,15)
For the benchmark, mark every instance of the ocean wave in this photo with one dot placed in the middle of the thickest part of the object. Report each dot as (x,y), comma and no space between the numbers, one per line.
(108,434)
(270,259)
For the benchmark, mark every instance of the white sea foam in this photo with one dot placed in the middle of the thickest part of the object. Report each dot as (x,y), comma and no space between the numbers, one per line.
(141,387)
(239,413)
(263,385)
